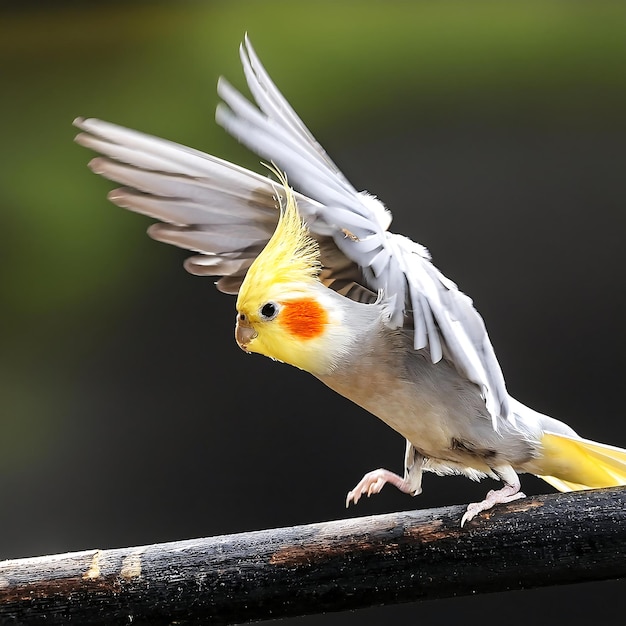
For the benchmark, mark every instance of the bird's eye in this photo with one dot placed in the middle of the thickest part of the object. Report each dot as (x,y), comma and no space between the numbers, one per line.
(269,311)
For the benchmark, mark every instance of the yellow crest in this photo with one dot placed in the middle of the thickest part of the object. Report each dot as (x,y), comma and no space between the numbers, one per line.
(290,256)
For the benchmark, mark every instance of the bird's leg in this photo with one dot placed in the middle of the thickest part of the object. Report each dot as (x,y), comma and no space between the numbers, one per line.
(374,481)
(508,493)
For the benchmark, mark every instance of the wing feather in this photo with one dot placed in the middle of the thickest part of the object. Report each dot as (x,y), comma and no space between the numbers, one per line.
(228,213)
(444,319)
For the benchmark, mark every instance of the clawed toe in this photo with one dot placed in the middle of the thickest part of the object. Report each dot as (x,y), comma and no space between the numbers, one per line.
(502,496)
(373,482)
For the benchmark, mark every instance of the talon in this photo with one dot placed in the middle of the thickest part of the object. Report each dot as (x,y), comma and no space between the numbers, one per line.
(470,514)
(508,493)
(373,482)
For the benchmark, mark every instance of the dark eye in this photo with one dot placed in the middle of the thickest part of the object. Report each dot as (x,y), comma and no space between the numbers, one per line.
(269,310)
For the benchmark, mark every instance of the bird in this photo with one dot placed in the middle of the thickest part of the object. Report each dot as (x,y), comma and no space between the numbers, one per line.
(323,285)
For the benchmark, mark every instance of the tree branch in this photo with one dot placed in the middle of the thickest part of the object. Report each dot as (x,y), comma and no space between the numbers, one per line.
(331,566)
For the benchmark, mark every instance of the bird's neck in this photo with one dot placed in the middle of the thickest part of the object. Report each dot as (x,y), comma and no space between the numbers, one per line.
(353,330)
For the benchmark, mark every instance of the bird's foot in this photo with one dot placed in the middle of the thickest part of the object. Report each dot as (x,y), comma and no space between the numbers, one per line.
(373,482)
(508,493)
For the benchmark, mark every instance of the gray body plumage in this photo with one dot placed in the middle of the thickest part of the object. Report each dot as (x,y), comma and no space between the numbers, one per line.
(440,412)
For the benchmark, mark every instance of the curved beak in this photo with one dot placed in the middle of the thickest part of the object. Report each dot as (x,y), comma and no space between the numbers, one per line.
(244,333)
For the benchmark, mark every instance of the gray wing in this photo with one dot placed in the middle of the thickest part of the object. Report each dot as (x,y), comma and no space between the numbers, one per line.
(444,319)
(208,205)
(225,212)
(228,213)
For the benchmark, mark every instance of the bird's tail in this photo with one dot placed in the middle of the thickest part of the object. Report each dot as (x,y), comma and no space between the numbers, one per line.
(572,463)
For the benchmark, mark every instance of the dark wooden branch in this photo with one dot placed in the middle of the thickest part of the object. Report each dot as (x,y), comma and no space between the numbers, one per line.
(332,566)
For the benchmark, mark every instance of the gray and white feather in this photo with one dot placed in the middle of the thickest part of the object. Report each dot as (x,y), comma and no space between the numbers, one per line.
(227,214)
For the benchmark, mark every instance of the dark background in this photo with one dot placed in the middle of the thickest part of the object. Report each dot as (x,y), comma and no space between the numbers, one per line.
(495,133)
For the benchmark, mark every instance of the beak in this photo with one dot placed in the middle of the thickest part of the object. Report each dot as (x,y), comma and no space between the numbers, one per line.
(244,333)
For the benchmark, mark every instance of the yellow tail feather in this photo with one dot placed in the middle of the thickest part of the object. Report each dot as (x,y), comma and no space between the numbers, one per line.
(572,464)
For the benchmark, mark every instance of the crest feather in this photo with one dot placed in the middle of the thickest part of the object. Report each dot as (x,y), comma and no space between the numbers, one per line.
(290,256)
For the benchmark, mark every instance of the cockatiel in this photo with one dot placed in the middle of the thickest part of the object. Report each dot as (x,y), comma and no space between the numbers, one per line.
(322,285)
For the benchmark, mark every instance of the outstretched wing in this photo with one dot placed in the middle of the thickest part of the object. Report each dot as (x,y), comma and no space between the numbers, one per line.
(208,205)
(444,319)
(228,213)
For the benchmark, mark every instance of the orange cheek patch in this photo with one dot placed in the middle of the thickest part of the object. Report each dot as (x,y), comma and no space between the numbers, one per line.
(304,318)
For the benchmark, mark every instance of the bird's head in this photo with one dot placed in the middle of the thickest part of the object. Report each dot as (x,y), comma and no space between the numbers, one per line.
(283,310)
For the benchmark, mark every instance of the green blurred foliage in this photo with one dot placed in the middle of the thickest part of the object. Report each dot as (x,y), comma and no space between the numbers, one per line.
(154,67)
(345,66)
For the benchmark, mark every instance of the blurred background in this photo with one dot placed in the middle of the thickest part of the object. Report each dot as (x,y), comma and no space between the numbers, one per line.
(495,132)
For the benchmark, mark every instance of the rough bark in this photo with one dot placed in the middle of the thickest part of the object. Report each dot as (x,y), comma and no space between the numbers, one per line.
(332,566)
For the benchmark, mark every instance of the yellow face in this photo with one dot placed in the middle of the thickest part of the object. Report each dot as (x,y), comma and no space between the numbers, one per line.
(279,307)
(290,328)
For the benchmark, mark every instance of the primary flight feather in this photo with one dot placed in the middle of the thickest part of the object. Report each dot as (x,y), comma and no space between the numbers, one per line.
(323,285)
